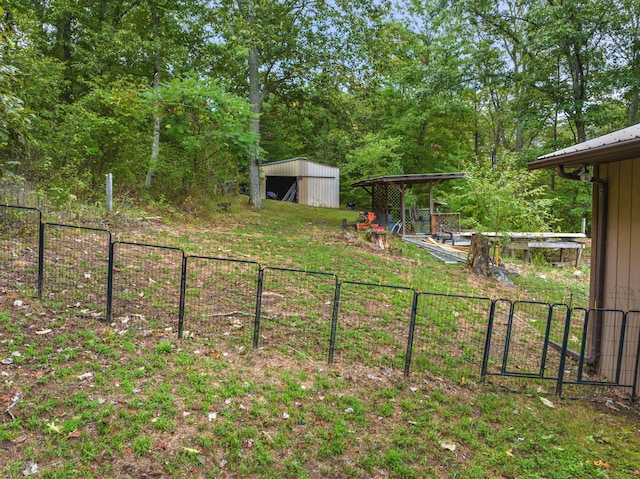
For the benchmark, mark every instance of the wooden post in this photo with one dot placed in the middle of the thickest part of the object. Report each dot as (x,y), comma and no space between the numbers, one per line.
(403,216)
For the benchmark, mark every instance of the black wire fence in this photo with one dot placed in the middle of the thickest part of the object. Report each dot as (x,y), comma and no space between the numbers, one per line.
(307,314)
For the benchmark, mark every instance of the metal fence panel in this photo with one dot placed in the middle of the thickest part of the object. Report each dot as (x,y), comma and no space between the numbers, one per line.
(19,249)
(146,286)
(528,330)
(616,366)
(497,333)
(220,300)
(526,339)
(450,334)
(296,312)
(76,268)
(373,324)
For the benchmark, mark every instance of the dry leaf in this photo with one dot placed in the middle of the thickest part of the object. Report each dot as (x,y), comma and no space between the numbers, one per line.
(601,463)
(43,331)
(447,445)
(510,453)
(30,469)
(53,428)
(546,402)
(75,433)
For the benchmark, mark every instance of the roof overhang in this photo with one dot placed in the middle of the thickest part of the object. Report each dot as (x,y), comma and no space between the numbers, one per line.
(409,179)
(617,146)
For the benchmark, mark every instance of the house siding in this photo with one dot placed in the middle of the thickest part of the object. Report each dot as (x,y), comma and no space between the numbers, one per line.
(622,267)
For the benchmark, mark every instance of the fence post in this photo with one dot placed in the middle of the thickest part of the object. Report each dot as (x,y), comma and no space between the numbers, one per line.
(183,289)
(507,340)
(110,281)
(412,325)
(635,372)
(40,255)
(545,346)
(623,329)
(334,321)
(256,323)
(563,354)
(487,341)
(583,344)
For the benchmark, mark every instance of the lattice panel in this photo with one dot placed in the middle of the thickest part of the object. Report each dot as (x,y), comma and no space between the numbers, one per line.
(386,201)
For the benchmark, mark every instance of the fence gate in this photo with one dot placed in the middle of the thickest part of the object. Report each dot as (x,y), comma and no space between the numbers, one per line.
(525,339)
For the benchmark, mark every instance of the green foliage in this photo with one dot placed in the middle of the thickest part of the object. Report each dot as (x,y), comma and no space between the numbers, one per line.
(376,156)
(418,89)
(205,137)
(502,198)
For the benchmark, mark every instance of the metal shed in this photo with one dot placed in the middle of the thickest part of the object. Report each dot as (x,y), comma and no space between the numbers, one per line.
(301,181)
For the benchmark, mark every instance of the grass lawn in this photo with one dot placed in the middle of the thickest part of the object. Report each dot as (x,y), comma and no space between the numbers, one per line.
(83,398)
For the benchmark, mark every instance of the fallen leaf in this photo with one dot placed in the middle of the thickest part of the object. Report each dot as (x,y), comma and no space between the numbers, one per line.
(546,402)
(601,463)
(53,428)
(43,331)
(447,445)
(510,453)
(30,469)
(39,374)
(73,434)
(611,405)
(5,445)
(191,450)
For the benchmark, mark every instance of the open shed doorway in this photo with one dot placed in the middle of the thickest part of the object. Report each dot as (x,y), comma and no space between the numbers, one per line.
(284,187)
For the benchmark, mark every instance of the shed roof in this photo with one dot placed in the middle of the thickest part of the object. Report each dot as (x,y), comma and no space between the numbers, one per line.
(410,179)
(617,146)
(301,158)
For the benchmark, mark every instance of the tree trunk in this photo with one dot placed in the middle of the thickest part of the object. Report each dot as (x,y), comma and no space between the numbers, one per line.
(633,108)
(155,145)
(255,99)
(478,259)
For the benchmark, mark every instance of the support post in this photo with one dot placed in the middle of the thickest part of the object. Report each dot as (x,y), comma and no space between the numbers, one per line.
(109,192)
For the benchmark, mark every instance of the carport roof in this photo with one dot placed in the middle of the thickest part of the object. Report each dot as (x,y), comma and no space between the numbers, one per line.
(410,179)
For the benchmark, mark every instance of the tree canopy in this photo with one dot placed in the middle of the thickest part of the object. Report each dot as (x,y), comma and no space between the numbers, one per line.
(190,97)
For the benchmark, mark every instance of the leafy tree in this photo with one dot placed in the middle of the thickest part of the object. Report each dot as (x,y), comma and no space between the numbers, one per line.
(276,41)
(375,156)
(204,128)
(14,118)
(502,198)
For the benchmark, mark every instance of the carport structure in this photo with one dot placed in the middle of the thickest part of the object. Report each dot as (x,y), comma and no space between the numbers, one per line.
(388,196)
